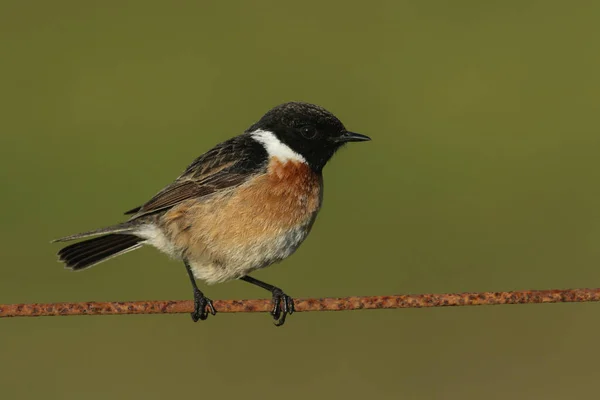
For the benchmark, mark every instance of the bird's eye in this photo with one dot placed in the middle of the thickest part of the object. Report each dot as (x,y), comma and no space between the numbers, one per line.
(309,132)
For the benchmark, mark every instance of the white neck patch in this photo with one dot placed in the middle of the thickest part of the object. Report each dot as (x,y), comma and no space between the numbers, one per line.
(275,147)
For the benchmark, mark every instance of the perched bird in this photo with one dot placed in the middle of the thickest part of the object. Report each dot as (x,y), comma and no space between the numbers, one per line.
(245,204)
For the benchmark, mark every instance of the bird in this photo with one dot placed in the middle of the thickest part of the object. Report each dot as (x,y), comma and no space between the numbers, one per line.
(245,204)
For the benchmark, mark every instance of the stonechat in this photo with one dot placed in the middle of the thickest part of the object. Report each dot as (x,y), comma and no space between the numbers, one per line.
(245,204)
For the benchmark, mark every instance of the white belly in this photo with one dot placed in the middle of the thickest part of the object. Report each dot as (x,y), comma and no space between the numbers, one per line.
(237,262)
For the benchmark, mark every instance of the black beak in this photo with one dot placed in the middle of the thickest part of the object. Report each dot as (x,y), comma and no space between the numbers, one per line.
(352,137)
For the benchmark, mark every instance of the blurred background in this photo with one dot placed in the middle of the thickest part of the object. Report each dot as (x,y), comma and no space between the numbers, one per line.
(482,175)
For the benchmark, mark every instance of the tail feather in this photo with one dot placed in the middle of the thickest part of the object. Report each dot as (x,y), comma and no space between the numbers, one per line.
(94,251)
(126,227)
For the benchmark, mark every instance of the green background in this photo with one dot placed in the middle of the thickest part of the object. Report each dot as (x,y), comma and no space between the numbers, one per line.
(483,174)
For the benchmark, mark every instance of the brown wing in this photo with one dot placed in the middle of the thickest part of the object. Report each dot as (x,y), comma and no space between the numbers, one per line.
(226,166)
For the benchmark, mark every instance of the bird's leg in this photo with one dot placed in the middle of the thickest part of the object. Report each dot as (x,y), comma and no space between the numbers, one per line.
(202,304)
(282,303)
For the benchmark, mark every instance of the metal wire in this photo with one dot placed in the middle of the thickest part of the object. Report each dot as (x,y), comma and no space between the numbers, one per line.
(303,305)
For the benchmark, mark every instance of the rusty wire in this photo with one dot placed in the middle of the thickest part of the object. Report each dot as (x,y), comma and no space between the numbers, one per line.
(324,304)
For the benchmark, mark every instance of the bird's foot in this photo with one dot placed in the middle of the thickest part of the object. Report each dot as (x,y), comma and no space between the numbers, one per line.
(202,306)
(282,306)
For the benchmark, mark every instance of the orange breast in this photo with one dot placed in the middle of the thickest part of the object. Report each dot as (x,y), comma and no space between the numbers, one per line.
(294,185)
(288,195)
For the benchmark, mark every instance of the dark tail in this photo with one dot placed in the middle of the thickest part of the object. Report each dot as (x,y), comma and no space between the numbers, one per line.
(93,251)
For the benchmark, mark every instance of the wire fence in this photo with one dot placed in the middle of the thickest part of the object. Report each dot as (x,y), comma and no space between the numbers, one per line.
(303,305)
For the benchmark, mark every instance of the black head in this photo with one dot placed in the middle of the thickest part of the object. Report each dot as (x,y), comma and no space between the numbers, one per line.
(307,129)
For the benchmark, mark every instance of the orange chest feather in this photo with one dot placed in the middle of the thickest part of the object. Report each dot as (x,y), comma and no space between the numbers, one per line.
(294,184)
(290,192)
(293,174)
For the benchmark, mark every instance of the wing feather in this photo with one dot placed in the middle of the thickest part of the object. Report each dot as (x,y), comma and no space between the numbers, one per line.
(224,167)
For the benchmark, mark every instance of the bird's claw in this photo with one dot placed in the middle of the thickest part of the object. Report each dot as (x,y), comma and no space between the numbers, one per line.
(202,306)
(282,306)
